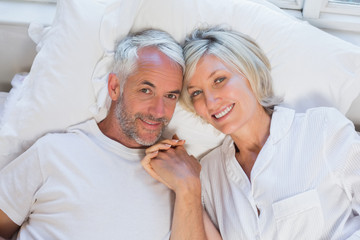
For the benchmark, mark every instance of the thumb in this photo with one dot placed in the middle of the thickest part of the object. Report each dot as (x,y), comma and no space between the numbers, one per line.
(175,137)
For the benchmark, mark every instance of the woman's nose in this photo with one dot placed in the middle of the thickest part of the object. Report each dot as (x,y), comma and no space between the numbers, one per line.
(211,99)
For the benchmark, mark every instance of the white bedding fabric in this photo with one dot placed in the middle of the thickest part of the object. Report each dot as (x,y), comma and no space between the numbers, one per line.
(328,75)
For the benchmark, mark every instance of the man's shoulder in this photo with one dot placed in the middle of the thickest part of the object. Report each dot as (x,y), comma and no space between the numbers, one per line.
(72,135)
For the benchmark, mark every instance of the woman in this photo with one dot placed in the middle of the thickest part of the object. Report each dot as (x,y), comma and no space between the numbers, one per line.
(278,174)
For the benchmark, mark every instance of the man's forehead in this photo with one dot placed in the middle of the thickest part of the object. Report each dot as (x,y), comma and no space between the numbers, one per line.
(155,69)
(152,55)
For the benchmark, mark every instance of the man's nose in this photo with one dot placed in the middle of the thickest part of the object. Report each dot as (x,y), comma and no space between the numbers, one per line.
(157,108)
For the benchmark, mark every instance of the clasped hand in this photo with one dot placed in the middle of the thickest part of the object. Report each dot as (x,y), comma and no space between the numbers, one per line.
(169,163)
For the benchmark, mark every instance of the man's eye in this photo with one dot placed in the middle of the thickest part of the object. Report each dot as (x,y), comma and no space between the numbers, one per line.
(145,90)
(219,80)
(195,93)
(172,96)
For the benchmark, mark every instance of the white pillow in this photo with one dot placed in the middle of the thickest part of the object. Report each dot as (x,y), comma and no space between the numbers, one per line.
(58,92)
(310,67)
(67,82)
(199,136)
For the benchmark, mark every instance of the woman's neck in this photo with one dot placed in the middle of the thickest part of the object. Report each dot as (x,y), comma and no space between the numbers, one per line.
(250,139)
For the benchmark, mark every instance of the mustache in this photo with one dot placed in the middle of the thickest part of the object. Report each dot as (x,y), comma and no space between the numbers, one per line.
(150,117)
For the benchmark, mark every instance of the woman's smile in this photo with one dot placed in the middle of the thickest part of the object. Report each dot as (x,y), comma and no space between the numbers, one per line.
(224,112)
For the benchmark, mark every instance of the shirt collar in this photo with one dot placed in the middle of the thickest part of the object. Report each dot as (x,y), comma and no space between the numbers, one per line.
(281,121)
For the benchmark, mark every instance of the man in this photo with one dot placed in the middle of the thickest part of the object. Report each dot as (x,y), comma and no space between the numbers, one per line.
(88,183)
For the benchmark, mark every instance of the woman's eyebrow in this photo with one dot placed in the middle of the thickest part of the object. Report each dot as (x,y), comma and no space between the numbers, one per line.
(211,75)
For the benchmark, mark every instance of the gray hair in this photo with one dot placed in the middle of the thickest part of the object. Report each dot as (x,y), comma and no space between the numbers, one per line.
(127,49)
(237,50)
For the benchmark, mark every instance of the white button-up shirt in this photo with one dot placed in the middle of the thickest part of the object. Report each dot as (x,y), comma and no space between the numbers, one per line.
(305,181)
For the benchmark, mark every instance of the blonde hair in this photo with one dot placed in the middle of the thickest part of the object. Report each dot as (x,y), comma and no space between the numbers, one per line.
(236,50)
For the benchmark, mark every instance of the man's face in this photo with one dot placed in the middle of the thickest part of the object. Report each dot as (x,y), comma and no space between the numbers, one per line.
(148,99)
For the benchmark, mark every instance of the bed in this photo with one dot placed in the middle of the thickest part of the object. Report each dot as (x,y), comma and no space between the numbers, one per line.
(67,82)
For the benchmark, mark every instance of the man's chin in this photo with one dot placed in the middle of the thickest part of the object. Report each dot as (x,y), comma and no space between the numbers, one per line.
(147,140)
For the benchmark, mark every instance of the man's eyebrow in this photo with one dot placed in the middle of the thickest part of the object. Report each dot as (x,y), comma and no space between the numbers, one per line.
(145,82)
(148,83)
(175,92)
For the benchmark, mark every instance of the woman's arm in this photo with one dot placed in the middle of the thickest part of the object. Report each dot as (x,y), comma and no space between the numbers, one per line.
(211,232)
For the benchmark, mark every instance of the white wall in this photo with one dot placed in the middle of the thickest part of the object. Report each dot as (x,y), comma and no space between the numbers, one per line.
(17,52)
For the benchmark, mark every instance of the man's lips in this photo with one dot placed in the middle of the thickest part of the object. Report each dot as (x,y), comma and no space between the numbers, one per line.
(151,124)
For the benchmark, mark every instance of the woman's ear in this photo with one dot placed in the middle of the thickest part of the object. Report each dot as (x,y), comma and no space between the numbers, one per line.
(114,86)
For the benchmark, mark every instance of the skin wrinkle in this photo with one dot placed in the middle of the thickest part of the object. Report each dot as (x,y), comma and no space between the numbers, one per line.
(147,100)
(128,124)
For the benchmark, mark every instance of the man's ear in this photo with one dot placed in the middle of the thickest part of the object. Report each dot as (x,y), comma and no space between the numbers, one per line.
(114,86)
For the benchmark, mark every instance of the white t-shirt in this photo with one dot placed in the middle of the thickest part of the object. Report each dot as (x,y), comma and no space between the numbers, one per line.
(305,181)
(83,185)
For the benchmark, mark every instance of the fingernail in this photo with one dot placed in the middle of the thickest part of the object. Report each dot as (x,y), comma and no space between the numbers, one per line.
(167,145)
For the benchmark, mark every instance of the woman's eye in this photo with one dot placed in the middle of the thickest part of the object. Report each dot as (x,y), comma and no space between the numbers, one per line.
(219,80)
(195,93)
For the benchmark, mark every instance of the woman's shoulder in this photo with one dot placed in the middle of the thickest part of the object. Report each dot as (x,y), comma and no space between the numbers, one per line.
(216,157)
(314,111)
(316,114)
(328,116)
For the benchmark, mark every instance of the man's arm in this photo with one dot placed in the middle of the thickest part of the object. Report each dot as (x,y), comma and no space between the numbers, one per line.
(188,220)
(7,226)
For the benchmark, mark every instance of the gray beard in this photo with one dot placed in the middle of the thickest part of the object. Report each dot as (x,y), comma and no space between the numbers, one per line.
(128,126)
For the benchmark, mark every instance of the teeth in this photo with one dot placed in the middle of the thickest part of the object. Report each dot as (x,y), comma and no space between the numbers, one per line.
(150,122)
(223,113)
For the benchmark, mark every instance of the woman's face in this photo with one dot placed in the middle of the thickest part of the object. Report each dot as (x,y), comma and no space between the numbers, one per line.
(222,95)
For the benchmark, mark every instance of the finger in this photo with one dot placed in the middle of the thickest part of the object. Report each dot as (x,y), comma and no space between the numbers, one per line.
(146,160)
(180,141)
(192,156)
(153,174)
(173,142)
(164,145)
(146,163)
(158,147)
(148,168)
